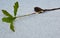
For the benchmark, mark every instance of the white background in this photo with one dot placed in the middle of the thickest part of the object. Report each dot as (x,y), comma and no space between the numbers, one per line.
(45,25)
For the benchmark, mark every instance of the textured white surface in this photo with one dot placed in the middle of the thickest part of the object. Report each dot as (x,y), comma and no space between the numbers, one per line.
(46,25)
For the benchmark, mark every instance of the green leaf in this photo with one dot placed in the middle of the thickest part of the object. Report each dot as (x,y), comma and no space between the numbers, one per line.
(6,13)
(8,19)
(12,27)
(16,8)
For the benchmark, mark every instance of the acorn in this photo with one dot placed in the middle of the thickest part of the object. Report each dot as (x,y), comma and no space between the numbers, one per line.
(38,10)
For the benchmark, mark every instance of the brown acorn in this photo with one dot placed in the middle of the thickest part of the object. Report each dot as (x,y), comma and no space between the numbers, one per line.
(38,10)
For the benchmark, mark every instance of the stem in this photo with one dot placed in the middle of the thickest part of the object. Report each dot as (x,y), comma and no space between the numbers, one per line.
(51,9)
(44,10)
(26,15)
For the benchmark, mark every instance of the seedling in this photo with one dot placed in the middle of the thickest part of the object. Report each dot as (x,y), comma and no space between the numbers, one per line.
(10,19)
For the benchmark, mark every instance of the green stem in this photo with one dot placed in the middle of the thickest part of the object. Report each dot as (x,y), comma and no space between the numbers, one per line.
(26,15)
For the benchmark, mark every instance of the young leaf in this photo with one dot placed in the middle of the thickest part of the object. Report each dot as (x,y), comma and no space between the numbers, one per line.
(12,27)
(16,8)
(8,19)
(6,13)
